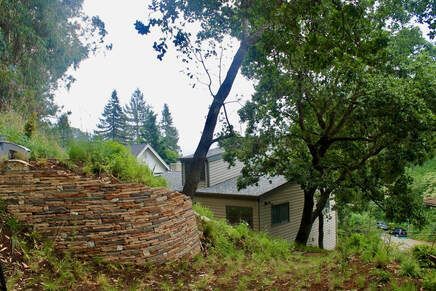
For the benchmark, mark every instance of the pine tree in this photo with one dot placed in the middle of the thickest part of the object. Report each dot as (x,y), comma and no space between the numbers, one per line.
(170,136)
(150,130)
(135,112)
(113,125)
(64,129)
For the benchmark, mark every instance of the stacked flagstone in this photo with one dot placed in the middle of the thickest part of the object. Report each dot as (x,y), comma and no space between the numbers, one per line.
(117,222)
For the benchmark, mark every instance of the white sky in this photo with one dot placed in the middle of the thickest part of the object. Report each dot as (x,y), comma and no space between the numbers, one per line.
(131,64)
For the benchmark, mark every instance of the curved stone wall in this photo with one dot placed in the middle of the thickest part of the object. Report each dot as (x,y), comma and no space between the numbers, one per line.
(88,217)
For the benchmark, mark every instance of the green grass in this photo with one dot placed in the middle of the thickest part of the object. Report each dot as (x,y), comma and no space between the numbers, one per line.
(235,258)
(109,157)
(41,143)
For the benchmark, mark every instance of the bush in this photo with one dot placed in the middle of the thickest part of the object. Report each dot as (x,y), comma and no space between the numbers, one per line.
(99,157)
(410,267)
(429,280)
(225,240)
(41,144)
(422,254)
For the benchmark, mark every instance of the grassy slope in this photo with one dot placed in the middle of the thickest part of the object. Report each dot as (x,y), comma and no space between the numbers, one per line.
(233,258)
(424,178)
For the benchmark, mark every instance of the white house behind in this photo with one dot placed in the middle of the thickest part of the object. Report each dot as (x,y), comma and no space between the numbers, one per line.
(145,154)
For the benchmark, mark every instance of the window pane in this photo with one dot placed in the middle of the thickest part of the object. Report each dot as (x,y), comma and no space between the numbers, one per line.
(280,213)
(237,214)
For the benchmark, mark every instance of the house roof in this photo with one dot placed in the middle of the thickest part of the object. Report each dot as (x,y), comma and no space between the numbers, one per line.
(229,187)
(174,180)
(138,149)
(211,153)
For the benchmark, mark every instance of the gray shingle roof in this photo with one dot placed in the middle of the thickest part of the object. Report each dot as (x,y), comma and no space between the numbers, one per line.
(174,180)
(229,187)
(210,153)
(135,149)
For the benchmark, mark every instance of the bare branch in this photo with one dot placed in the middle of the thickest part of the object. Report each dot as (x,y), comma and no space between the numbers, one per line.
(220,65)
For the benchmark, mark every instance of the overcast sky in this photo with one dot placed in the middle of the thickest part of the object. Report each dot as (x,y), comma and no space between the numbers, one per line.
(131,64)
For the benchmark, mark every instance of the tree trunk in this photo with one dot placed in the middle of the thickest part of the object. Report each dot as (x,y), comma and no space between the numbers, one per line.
(2,279)
(192,178)
(306,219)
(321,231)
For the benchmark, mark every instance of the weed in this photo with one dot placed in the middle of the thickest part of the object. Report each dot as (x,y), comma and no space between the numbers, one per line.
(410,267)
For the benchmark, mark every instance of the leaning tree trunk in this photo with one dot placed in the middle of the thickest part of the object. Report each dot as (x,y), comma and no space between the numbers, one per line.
(306,219)
(2,279)
(321,231)
(192,178)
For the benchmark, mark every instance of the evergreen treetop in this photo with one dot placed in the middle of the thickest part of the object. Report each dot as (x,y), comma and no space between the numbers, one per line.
(113,123)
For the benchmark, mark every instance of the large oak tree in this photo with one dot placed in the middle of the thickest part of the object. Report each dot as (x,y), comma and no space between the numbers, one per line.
(338,104)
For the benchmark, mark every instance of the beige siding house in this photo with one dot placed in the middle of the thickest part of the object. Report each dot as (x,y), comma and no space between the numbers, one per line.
(274,205)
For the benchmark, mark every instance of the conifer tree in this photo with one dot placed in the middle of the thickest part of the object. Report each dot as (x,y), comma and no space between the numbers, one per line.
(169,131)
(135,112)
(64,129)
(170,137)
(150,131)
(113,123)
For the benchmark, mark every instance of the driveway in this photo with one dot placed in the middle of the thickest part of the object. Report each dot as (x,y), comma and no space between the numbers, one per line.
(403,243)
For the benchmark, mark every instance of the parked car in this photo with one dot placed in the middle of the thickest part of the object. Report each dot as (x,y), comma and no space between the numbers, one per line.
(399,232)
(382,225)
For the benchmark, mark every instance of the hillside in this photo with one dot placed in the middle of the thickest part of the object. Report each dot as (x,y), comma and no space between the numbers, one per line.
(424,178)
(232,258)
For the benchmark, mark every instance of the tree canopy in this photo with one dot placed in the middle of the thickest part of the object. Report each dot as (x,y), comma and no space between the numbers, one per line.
(39,41)
(337,104)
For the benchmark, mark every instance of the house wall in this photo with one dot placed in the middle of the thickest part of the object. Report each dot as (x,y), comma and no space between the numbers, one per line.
(148,158)
(219,171)
(291,193)
(218,206)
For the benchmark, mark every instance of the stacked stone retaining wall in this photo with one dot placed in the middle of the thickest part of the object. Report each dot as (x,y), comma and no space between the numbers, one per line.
(118,222)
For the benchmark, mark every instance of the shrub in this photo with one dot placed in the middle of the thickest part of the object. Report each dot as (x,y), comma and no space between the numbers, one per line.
(410,267)
(237,241)
(98,157)
(429,280)
(422,253)
(41,144)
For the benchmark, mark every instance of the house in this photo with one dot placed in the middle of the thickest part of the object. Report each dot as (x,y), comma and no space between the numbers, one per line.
(145,154)
(274,205)
(12,151)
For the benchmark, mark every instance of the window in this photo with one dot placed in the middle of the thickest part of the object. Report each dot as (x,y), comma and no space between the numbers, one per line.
(279,213)
(237,214)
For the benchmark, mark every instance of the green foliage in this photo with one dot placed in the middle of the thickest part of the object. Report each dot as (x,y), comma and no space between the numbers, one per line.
(170,136)
(113,122)
(202,210)
(424,179)
(429,280)
(422,254)
(410,267)
(338,115)
(110,157)
(39,41)
(41,143)
(135,112)
(237,241)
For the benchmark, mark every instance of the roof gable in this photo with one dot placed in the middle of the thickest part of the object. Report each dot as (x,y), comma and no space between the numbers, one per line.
(138,149)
